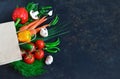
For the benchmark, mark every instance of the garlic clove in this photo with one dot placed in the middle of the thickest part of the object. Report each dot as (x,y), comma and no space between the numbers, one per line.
(44,32)
(49,60)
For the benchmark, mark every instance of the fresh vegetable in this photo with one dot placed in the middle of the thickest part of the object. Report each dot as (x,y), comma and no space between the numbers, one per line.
(33,24)
(40,44)
(49,60)
(29,58)
(52,49)
(39,54)
(29,47)
(27,26)
(34,14)
(35,31)
(20,15)
(43,19)
(53,44)
(50,13)
(44,32)
(24,36)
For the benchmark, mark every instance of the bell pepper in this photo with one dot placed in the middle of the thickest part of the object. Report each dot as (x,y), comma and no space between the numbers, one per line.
(20,15)
(24,36)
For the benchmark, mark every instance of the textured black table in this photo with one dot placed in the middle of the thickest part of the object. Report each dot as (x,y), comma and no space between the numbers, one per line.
(90,51)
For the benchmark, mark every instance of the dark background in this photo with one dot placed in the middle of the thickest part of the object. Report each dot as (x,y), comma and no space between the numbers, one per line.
(92,48)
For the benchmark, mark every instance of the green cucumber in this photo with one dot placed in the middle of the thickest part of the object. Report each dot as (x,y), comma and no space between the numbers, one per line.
(28,46)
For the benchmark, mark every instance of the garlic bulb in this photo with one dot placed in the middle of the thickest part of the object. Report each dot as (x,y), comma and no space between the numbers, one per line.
(49,60)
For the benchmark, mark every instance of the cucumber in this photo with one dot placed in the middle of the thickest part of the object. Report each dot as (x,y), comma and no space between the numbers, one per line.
(28,46)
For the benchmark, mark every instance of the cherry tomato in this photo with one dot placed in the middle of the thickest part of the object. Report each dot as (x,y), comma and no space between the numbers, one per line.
(39,54)
(29,58)
(40,44)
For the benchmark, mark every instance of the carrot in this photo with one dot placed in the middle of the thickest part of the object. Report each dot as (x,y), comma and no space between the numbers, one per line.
(35,31)
(38,23)
(44,26)
(27,26)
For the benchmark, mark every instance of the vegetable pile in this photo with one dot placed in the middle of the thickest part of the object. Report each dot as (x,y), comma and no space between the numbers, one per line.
(34,30)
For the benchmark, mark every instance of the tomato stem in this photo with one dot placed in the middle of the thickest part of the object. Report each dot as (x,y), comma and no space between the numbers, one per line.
(17,21)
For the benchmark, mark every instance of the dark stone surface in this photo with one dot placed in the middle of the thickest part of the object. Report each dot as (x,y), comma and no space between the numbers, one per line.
(92,48)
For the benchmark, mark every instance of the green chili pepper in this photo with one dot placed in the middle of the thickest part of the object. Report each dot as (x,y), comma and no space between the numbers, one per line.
(53,44)
(52,50)
(56,42)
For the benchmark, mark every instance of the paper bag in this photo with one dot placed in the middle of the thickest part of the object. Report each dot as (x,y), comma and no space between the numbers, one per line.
(9,46)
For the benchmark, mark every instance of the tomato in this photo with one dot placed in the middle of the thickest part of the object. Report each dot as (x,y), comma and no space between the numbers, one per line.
(39,54)
(29,58)
(40,44)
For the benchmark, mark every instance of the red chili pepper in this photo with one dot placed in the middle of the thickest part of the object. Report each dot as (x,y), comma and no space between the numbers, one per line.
(20,15)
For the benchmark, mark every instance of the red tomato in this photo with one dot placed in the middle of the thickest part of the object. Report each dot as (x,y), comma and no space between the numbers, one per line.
(39,54)
(40,44)
(29,59)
